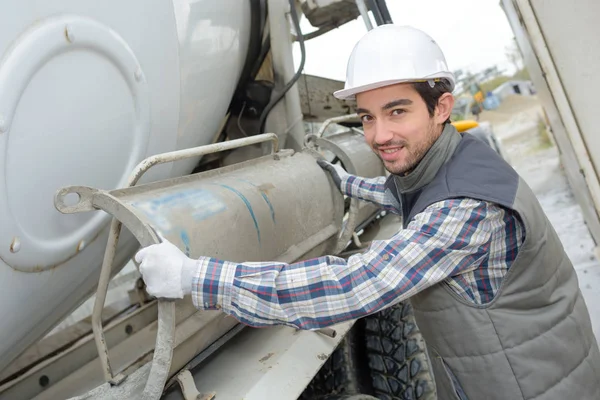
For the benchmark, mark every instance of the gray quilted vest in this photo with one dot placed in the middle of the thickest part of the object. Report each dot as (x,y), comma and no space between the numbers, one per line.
(535,339)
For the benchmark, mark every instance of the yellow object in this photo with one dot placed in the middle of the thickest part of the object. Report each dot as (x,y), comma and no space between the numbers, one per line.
(465,125)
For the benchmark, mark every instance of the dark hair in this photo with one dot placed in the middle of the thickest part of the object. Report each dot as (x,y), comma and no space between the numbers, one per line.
(431,95)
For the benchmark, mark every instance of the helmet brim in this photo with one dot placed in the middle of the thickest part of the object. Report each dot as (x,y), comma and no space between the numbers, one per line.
(350,94)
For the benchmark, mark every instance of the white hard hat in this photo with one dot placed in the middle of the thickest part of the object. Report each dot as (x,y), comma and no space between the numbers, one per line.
(391,54)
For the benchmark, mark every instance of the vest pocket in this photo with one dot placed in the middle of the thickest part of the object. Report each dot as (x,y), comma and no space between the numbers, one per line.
(446,380)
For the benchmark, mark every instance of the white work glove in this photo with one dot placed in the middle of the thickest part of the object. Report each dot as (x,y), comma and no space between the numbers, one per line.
(167,272)
(337,172)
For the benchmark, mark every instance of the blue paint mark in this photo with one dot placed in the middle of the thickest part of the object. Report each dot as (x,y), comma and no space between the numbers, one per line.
(248,205)
(199,203)
(264,196)
(186,242)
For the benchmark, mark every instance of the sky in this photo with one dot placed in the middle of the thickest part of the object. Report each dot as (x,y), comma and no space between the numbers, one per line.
(473,35)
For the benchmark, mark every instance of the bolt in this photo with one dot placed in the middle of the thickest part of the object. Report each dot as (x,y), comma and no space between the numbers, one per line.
(69,34)
(44,381)
(138,74)
(15,246)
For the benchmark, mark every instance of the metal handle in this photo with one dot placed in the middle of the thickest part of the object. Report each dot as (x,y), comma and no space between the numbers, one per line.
(311,137)
(178,155)
(162,359)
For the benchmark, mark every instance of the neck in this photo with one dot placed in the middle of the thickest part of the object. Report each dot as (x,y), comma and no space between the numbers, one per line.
(437,155)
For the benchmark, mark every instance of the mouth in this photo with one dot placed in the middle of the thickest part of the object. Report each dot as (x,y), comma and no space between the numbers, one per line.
(390,153)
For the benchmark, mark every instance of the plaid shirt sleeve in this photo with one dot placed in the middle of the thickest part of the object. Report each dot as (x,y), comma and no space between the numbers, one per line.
(371,190)
(447,239)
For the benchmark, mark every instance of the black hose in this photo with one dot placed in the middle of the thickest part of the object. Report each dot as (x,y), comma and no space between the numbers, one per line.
(257,24)
(276,99)
(266,47)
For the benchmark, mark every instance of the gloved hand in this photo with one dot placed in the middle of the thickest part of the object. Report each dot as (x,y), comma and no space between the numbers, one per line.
(336,171)
(167,272)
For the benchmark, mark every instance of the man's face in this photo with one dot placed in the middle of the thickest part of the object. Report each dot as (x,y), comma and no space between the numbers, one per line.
(397,125)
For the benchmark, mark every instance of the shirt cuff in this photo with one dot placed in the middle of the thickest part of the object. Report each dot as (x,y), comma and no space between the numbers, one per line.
(346,185)
(213,283)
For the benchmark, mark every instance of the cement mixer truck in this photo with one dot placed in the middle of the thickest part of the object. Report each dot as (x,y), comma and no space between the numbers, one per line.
(119,120)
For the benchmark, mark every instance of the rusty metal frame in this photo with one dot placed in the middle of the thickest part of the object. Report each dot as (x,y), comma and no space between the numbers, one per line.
(146,236)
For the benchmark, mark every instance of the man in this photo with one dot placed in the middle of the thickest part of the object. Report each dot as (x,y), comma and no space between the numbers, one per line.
(493,291)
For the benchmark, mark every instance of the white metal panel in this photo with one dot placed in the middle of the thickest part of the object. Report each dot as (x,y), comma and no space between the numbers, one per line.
(268,363)
(213,41)
(570,29)
(89,89)
(559,51)
(569,158)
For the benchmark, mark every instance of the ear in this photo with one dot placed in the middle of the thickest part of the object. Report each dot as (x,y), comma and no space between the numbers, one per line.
(444,108)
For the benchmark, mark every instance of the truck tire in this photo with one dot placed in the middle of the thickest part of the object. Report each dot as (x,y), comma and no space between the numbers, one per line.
(344,373)
(383,355)
(397,356)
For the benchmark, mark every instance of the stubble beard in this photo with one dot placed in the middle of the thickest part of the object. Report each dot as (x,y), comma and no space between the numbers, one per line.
(416,152)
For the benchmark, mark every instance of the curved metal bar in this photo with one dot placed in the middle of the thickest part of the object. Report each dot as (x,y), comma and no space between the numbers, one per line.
(348,229)
(163,350)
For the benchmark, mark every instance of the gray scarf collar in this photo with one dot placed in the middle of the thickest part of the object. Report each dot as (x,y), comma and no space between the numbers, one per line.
(428,167)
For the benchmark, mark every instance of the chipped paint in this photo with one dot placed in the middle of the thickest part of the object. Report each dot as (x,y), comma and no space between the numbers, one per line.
(265,358)
(199,204)
(186,241)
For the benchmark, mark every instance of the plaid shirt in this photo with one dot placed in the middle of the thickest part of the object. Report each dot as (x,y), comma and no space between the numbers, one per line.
(464,243)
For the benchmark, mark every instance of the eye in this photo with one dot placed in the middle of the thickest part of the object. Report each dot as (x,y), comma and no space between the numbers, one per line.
(398,111)
(366,118)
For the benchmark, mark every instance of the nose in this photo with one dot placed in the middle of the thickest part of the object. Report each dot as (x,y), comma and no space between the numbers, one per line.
(382,133)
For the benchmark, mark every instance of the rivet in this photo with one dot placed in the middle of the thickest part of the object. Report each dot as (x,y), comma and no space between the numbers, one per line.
(81,245)
(69,34)
(15,246)
(138,74)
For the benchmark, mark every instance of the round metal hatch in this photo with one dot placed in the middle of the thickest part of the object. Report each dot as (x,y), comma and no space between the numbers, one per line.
(74,110)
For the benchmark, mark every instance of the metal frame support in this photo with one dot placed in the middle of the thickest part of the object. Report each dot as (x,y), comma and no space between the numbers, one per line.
(283,65)
(326,124)
(364,12)
(166,308)
(189,389)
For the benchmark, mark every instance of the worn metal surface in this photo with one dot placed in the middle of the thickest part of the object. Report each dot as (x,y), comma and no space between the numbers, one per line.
(268,363)
(58,367)
(88,52)
(162,357)
(333,120)
(188,387)
(60,340)
(317,101)
(358,159)
(286,117)
(325,13)
(135,353)
(278,207)
(273,205)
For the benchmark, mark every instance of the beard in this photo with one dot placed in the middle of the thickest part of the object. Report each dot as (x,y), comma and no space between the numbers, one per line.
(415,151)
